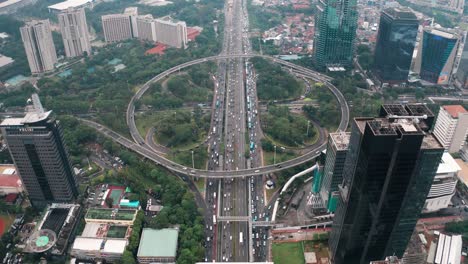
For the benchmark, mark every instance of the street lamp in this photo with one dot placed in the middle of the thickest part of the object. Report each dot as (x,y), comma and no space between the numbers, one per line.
(274,155)
(193,161)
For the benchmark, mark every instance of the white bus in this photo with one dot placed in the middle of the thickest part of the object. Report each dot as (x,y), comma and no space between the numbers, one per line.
(241,238)
(214,219)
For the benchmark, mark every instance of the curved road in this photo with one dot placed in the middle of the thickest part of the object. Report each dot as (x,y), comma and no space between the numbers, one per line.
(156,156)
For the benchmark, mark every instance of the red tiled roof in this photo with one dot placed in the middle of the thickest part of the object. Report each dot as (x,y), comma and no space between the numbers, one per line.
(192,33)
(10,198)
(454,110)
(7,180)
(158,49)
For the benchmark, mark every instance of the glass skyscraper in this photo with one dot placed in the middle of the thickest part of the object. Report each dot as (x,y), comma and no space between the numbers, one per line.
(389,168)
(395,44)
(438,53)
(335,32)
(36,145)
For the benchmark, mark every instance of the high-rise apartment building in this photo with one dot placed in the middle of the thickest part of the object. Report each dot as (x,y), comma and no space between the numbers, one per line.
(335,32)
(146,28)
(36,145)
(132,12)
(170,32)
(75,33)
(451,127)
(39,46)
(395,44)
(116,27)
(437,54)
(337,148)
(389,168)
(444,185)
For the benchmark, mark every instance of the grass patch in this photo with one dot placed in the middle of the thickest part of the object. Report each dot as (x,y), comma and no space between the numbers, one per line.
(200,183)
(320,248)
(288,253)
(268,157)
(270,192)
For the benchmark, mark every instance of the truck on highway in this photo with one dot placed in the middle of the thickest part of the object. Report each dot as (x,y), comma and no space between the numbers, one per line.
(214,195)
(214,219)
(241,238)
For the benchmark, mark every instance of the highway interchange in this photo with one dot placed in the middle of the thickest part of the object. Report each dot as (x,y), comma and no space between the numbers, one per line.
(234,199)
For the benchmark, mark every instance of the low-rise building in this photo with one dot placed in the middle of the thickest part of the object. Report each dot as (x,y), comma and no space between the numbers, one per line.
(443,186)
(89,248)
(158,246)
(10,181)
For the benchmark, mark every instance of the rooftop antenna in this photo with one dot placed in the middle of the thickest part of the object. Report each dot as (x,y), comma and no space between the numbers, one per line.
(37,103)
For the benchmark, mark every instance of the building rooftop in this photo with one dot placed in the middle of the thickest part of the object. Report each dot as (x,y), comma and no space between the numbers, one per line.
(448,164)
(158,243)
(69,3)
(111,214)
(132,11)
(4,60)
(9,177)
(99,244)
(340,140)
(9,2)
(463,173)
(29,118)
(442,32)
(454,110)
(401,13)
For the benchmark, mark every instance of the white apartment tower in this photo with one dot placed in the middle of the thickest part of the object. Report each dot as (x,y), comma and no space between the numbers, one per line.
(39,46)
(132,12)
(146,28)
(116,27)
(444,185)
(75,33)
(451,127)
(170,32)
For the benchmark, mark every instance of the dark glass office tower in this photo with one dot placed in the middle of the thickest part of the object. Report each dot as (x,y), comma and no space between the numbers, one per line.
(438,54)
(41,157)
(395,44)
(389,167)
(335,32)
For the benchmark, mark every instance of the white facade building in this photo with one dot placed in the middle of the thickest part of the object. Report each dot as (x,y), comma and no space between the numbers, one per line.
(146,28)
(75,33)
(132,12)
(443,186)
(170,32)
(451,127)
(116,27)
(39,46)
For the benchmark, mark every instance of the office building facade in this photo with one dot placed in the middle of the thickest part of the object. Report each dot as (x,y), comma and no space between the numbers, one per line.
(335,33)
(116,27)
(75,33)
(451,127)
(37,148)
(438,51)
(461,77)
(337,148)
(396,39)
(39,46)
(389,168)
(171,33)
(444,186)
